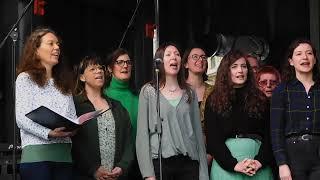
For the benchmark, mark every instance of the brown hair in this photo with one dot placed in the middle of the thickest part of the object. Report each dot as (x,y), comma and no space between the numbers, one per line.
(84,63)
(30,63)
(181,74)
(185,57)
(223,92)
(288,71)
(110,62)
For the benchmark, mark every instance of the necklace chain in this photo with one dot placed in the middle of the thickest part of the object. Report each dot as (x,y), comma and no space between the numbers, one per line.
(172,90)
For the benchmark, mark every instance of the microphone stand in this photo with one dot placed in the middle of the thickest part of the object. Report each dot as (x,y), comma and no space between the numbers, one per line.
(159,120)
(14,36)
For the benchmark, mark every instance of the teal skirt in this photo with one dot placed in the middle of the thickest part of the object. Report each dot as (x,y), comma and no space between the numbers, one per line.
(240,149)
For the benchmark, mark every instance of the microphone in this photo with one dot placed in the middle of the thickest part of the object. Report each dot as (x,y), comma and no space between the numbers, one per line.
(157,62)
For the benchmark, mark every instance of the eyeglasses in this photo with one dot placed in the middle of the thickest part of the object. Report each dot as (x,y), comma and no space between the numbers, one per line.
(197,57)
(96,68)
(265,83)
(122,62)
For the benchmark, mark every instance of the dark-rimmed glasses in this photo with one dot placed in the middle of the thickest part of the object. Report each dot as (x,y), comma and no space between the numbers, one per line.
(122,62)
(197,57)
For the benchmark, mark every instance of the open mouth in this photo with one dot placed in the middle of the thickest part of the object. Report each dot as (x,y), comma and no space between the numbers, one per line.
(56,54)
(305,64)
(240,76)
(124,72)
(100,77)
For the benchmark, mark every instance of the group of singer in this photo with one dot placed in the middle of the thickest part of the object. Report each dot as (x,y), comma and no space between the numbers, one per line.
(252,123)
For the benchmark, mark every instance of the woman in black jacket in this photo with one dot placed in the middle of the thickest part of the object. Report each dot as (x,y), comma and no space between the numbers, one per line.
(102,148)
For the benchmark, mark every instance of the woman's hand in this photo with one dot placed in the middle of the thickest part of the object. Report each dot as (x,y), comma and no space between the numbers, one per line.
(255,164)
(284,172)
(209,159)
(60,133)
(244,167)
(151,178)
(115,173)
(100,173)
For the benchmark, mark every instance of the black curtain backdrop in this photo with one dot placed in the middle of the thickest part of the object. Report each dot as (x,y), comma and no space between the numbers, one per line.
(97,26)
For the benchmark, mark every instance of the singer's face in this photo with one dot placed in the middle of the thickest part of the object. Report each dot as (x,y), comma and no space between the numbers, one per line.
(239,72)
(171,60)
(197,61)
(303,59)
(49,50)
(122,68)
(93,76)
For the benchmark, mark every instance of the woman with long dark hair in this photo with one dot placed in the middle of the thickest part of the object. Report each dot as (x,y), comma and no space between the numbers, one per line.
(183,150)
(295,112)
(236,120)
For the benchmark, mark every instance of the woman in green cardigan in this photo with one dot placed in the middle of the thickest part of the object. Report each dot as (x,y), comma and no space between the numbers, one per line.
(102,148)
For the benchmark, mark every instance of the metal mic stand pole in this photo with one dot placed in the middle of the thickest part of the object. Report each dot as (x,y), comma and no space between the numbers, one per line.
(14,35)
(159,125)
(156,15)
(159,120)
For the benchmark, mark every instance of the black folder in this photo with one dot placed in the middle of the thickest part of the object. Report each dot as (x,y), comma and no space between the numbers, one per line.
(50,119)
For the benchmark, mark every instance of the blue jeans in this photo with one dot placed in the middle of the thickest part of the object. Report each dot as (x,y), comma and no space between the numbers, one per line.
(46,171)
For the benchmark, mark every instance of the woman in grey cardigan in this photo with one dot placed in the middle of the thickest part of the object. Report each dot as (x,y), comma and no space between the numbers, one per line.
(183,150)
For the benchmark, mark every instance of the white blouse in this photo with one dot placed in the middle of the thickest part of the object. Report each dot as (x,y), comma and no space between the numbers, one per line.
(30,96)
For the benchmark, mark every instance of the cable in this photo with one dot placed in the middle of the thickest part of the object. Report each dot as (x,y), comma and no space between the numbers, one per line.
(130,22)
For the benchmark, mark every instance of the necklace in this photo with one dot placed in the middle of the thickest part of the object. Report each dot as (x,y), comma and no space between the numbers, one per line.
(173,90)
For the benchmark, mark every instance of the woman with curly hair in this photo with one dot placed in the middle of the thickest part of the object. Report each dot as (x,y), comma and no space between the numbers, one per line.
(42,81)
(295,112)
(236,122)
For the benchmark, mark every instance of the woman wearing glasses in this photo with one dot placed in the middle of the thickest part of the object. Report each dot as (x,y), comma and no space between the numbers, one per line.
(183,150)
(120,87)
(195,64)
(102,148)
(268,78)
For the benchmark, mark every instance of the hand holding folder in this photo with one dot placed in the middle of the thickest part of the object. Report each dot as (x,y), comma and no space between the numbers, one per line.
(50,119)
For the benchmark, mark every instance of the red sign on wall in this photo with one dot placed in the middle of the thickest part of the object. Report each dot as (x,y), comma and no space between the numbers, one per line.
(38,8)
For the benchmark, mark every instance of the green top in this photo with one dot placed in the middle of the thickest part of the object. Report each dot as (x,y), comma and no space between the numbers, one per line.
(174,102)
(119,90)
(56,152)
